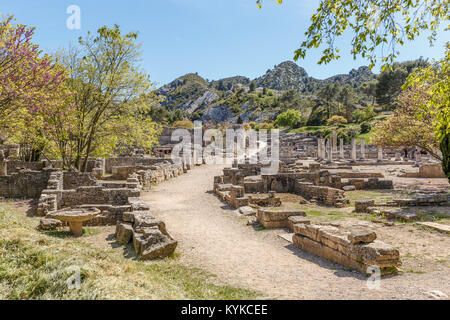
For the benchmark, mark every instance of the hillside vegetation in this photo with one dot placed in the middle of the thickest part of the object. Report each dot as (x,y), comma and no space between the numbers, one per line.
(285,87)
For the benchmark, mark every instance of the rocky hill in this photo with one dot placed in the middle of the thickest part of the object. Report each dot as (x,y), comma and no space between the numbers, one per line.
(287,85)
(354,78)
(287,76)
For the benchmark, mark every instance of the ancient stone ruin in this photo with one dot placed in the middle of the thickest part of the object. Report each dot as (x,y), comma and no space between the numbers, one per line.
(71,198)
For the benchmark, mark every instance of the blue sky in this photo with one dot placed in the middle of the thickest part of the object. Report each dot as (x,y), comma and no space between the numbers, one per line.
(216,38)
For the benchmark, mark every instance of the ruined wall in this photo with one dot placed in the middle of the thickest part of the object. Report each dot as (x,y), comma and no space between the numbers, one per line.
(73,180)
(11,165)
(24,184)
(358,250)
(96,195)
(131,162)
(327,195)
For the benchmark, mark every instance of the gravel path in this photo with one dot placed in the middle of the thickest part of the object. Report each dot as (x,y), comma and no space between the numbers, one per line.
(213,238)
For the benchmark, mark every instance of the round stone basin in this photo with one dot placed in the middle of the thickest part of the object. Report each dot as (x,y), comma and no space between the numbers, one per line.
(75,218)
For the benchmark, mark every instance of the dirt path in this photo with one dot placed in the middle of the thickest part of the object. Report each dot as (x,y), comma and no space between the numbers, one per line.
(213,238)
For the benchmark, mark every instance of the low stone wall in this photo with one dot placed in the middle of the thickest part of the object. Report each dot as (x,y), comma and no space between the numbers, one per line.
(433,199)
(149,174)
(24,184)
(131,162)
(12,165)
(277,218)
(357,250)
(326,195)
(427,170)
(95,195)
(73,180)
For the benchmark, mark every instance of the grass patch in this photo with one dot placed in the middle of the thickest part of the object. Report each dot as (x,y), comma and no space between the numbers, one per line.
(326,215)
(34,265)
(415,271)
(87,232)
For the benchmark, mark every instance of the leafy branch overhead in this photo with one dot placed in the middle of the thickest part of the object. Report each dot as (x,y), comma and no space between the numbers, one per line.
(383,24)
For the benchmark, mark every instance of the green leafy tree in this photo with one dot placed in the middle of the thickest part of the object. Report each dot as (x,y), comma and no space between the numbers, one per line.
(347,98)
(372,23)
(328,95)
(369,89)
(390,82)
(366,114)
(290,118)
(435,80)
(111,97)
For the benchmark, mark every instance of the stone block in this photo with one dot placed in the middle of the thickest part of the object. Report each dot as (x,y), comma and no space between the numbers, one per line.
(124,233)
(49,224)
(362,205)
(362,236)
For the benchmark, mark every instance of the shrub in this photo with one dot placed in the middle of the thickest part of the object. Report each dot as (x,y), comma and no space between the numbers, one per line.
(183,124)
(360,116)
(366,127)
(290,118)
(336,120)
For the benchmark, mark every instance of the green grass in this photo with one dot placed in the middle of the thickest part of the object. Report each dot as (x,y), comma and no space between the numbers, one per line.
(33,265)
(308,129)
(327,215)
(87,232)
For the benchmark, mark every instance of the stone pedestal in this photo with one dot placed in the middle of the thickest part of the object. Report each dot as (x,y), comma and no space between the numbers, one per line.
(76,228)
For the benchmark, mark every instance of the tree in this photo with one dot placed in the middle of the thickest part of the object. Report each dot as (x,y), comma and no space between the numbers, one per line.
(369,89)
(434,80)
(111,97)
(366,114)
(347,98)
(328,96)
(252,86)
(372,23)
(290,118)
(404,129)
(27,80)
(390,82)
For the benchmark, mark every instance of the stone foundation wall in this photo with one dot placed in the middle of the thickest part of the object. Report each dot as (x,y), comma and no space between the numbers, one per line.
(73,180)
(326,195)
(96,195)
(131,162)
(427,170)
(24,184)
(277,218)
(352,250)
